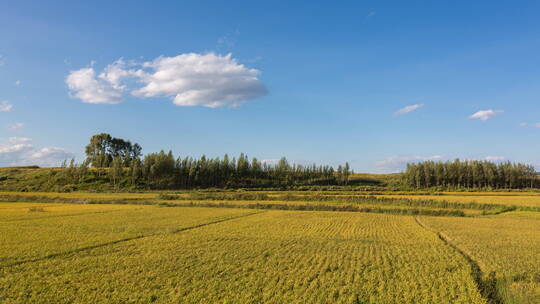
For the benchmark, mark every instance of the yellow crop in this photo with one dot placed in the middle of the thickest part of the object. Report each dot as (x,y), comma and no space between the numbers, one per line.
(178,247)
(56,230)
(507,245)
(266,257)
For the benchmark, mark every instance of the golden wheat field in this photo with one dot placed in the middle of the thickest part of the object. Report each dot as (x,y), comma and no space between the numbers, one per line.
(176,255)
(57,229)
(150,249)
(506,246)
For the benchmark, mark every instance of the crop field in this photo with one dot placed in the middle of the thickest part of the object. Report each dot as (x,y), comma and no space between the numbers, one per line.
(31,235)
(273,256)
(506,246)
(237,247)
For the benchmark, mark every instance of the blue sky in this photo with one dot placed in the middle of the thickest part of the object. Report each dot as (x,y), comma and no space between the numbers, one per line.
(314,81)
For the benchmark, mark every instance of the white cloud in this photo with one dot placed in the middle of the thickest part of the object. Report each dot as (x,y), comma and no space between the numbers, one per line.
(396,164)
(5,106)
(85,86)
(201,80)
(14,148)
(18,83)
(485,114)
(114,74)
(19,152)
(408,109)
(50,156)
(191,79)
(11,155)
(16,126)
(18,140)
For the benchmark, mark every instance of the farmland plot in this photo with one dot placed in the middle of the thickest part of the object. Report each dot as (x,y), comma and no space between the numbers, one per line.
(272,256)
(506,246)
(59,229)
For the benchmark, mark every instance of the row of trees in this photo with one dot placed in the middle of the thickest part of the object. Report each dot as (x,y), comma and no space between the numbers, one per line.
(470,174)
(163,171)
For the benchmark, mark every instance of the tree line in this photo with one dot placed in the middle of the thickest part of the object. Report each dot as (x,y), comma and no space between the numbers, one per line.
(123,163)
(470,174)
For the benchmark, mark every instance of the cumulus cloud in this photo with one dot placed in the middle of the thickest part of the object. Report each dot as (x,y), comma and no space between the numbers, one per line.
(85,86)
(16,126)
(191,79)
(5,106)
(408,109)
(485,114)
(19,152)
(201,80)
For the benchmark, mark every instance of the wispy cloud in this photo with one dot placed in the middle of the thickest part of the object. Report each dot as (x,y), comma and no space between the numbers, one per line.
(526,124)
(228,41)
(408,109)
(16,126)
(369,16)
(485,114)
(208,80)
(19,140)
(5,106)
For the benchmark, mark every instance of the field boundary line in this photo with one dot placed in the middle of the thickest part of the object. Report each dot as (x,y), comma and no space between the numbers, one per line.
(78,250)
(486,286)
